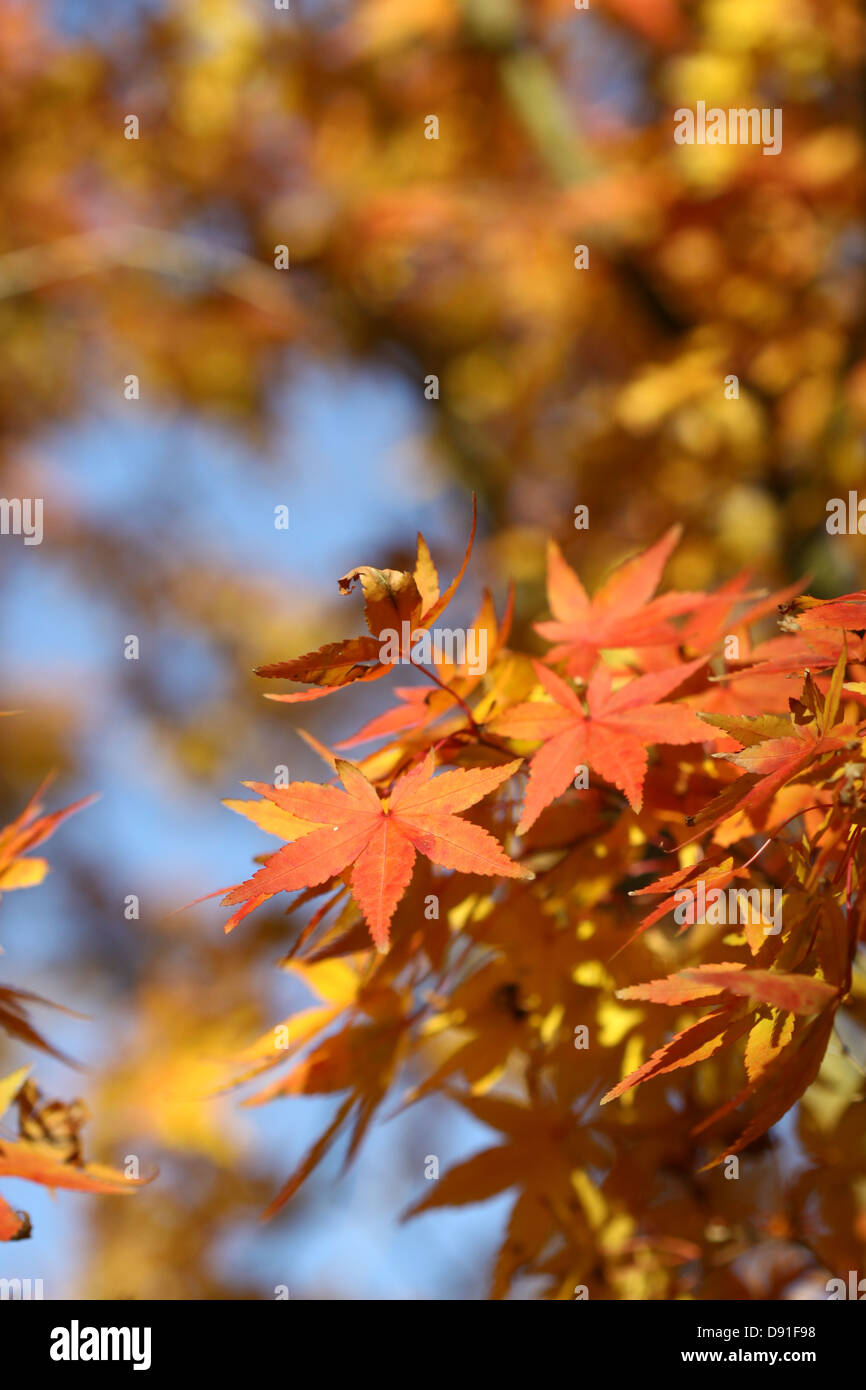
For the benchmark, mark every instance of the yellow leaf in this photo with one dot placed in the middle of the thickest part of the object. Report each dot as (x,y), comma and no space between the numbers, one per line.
(10,1086)
(23,873)
(334,980)
(590,1198)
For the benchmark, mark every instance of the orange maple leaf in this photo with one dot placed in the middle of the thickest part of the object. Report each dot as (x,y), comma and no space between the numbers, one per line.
(847,613)
(394,600)
(29,829)
(611,735)
(18,869)
(45,1161)
(379,836)
(622,614)
(808,1002)
(796,994)
(767,766)
(692,1044)
(14,1225)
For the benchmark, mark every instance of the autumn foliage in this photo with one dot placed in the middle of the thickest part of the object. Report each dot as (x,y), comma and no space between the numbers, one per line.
(515,846)
(47,1148)
(283,287)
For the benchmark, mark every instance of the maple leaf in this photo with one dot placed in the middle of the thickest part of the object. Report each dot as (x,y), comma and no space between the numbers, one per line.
(420,707)
(797,1063)
(14,1225)
(26,832)
(37,1163)
(720,611)
(714,877)
(361,1057)
(622,613)
(767,765)
(336,982)
(790,655)
(796,994)
(379,837)
(774,1046)
(544,1157)
(847,613)
(693,1044)
(527,979)
(15,1021)
(50,1160)
(610,735)
(18,869)
(394,601)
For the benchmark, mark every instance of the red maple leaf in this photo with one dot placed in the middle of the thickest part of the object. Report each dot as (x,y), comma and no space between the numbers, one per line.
(610,735)
(622,614)
(379,836)
(767,765)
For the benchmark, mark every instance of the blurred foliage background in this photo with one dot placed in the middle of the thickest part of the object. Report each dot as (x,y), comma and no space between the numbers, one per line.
(409,257)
